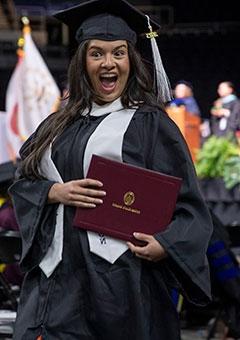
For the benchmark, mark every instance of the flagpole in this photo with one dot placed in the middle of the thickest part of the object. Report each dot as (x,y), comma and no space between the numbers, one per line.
(20,43)
(11,149)
(26,24)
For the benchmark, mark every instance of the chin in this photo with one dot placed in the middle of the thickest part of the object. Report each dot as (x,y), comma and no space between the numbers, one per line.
(105,100)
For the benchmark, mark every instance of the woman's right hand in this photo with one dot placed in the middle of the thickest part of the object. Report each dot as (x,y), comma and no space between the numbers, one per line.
(84,193)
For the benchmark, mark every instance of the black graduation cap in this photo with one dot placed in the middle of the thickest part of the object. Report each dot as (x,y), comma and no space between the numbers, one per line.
(106,20)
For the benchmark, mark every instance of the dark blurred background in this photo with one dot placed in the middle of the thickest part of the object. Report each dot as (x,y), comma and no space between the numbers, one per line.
(199,41)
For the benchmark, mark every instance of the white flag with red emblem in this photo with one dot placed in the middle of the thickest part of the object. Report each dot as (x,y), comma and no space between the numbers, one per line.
(31,96)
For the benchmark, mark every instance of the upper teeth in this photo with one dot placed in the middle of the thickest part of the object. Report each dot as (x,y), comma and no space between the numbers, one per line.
(108,75)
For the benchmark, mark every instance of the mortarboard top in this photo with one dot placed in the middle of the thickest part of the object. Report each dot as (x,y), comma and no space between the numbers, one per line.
(106,20)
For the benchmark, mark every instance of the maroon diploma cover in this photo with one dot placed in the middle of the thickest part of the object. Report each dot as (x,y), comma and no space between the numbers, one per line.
(136,199)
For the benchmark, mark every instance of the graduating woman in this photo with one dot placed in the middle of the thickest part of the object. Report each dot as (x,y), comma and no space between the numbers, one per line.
(72,289)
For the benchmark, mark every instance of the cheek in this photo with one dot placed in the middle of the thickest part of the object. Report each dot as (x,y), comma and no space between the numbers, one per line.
(91,67)
(91,71)
(126,70)
(88,66)
(127,67)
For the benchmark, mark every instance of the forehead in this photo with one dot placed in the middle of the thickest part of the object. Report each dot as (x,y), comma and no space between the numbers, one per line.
(223,85)
(181,87)
(103,44)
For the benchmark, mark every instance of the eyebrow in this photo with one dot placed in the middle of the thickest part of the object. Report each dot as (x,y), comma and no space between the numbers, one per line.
(100,48)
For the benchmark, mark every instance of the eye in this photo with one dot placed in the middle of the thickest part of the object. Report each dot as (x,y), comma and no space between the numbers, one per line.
(96,54)
(120,53)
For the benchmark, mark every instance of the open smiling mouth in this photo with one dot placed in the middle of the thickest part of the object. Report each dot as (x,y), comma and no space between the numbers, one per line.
(108,82)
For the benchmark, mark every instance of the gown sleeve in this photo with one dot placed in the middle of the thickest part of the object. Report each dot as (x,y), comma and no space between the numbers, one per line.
(36,218)
(187,236)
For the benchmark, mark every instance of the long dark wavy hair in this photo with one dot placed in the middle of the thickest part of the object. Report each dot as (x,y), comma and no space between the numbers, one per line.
(139,88)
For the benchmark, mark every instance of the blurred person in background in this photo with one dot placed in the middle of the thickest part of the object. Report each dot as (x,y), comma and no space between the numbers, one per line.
(225,112)
(183,95)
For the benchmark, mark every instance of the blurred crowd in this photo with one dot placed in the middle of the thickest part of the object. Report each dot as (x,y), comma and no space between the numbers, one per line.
(224,113)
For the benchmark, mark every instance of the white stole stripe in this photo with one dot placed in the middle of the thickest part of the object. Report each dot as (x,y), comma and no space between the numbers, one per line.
(107,141)
(54,253)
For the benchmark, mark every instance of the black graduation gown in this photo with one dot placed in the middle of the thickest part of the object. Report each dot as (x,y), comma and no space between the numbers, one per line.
(86,297)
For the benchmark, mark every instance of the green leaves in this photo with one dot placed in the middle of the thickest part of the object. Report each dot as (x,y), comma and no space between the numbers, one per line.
(231,172)
(219,157)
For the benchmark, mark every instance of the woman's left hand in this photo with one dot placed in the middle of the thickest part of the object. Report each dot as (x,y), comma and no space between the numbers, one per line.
(153,251)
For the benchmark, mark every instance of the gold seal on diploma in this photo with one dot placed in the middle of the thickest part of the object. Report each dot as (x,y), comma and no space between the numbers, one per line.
(129,198)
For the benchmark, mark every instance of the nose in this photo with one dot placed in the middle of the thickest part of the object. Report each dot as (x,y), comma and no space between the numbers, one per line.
(108,62)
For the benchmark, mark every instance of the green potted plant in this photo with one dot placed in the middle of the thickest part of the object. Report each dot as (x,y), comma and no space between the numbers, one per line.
(219,157)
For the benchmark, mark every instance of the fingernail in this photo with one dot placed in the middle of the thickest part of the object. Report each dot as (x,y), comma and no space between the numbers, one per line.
(135,234)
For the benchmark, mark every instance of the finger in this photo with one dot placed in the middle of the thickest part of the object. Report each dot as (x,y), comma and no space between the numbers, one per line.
(131,246)
(135,251)
(82,204)
(138,250)
(86,182)
(86,199)
(87,191)
(92,192)
(142,236)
